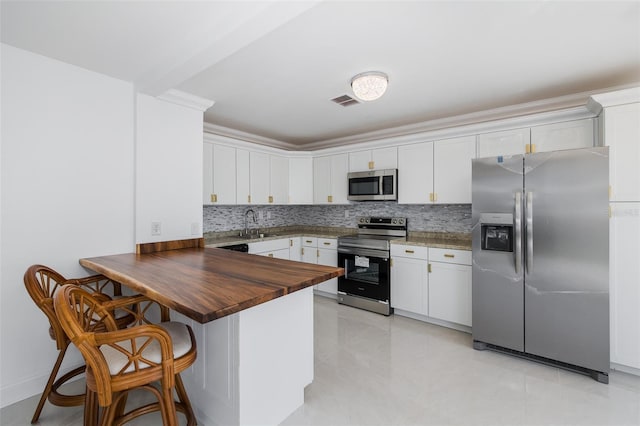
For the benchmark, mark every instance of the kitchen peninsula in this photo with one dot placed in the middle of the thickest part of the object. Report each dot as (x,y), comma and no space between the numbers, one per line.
(253,320)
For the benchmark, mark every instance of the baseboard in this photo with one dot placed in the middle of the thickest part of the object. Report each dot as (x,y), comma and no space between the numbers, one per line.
(434,321)
(16,392)
(625,369)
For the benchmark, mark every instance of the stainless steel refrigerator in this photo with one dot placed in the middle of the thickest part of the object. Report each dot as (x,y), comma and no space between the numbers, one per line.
(541,257)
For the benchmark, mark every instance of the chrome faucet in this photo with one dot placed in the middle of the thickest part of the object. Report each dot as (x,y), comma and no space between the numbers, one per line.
(246,216)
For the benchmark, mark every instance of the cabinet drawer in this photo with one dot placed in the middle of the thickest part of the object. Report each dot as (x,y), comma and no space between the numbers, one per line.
(327,243)
(309,242)
(412,252)
(461,257)
(264,246)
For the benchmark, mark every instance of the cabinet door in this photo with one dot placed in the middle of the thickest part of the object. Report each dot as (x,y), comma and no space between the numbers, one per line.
(295,252)
(360,161)
(566,135)
(450,292)
(321,180)
(452,170)
(243,183)
(415,173)
(510,142)
(624,285)
(339,184)
(300,180)
(622,136)
(207,173)
(279,179)
(259,177)
(309,254)
(328,257)
(385,158)
(409,285)
(224,174)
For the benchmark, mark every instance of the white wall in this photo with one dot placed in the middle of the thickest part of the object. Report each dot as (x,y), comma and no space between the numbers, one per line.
(67,192)
(168,170)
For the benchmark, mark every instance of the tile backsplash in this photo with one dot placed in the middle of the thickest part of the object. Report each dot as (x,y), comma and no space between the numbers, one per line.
(421,217)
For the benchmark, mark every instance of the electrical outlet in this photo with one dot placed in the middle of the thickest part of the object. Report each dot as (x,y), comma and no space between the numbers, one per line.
(156,228)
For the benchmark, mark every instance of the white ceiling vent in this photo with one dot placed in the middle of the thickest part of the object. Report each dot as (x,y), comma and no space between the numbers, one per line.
(345,100)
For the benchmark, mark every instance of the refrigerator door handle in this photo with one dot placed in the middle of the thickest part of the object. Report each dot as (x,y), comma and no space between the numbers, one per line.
(517,216)
(529,225)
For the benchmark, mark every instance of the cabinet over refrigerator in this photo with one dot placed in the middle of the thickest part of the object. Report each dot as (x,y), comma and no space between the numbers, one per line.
(541,257)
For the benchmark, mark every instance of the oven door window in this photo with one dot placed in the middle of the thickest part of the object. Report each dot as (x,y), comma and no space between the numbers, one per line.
(364,276)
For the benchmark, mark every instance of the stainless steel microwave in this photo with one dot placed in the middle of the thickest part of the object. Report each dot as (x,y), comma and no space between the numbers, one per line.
(374,185)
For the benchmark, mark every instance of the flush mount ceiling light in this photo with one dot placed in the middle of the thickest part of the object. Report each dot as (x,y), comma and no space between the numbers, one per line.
(369,86)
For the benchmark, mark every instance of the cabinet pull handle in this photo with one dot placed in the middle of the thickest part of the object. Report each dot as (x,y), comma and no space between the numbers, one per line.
(270,254)
(308,241)
(451,256)
(271,198)
(327,244)
(533,148)
(330,198)
(248,198)
(371,165)
(435,196)
(409,251)
(317,253)
(429,268)
(391,262)
(302,251)
(214,198)
(290,243)
(527,149)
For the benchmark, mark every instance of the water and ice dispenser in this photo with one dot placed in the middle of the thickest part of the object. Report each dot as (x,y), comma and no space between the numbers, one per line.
(497,232)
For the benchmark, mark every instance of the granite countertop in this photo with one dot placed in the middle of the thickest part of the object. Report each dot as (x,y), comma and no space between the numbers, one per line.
(428,239)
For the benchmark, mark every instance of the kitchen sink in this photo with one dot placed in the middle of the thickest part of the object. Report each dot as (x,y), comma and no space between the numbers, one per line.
(256,236)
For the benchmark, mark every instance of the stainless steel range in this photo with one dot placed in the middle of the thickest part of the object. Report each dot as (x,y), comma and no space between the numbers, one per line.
(365,257)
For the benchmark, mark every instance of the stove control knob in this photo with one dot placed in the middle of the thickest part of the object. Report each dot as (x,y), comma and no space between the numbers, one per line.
(368,220)
(401,221)
(362,220)
(394,221)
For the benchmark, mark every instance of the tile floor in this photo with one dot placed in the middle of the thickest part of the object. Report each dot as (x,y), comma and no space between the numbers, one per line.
(376,370)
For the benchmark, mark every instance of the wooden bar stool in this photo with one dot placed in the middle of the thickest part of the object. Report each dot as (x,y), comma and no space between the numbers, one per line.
(41,283)
(144,356)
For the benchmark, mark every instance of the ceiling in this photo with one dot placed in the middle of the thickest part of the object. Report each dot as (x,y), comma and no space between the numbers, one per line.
(271,67)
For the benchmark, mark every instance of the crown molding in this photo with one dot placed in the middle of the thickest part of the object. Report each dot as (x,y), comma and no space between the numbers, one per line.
(619,97)
(186,100)
(239,135)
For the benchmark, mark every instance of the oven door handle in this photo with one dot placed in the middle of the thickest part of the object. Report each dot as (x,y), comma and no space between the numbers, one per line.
(364,252)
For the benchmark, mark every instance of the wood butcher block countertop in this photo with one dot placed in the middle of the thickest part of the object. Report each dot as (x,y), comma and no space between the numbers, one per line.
(209,283)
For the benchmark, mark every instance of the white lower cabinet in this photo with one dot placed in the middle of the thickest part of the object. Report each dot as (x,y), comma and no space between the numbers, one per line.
(409,279)
(433,283)
(295,249)
(450,285)
(278,249)
(624,285)
(322,251)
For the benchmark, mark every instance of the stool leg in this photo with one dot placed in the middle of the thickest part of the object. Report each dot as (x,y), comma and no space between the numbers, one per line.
(47,388)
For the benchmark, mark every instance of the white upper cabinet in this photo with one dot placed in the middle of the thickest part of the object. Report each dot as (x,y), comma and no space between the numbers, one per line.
(243,184)
(301,180)
(622,136)
(259,177)
(219,174)
(510,142)
(565,135)
(382,158)
(452,170)
(269,178)
(415,173)
(330,179)
(278,180)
